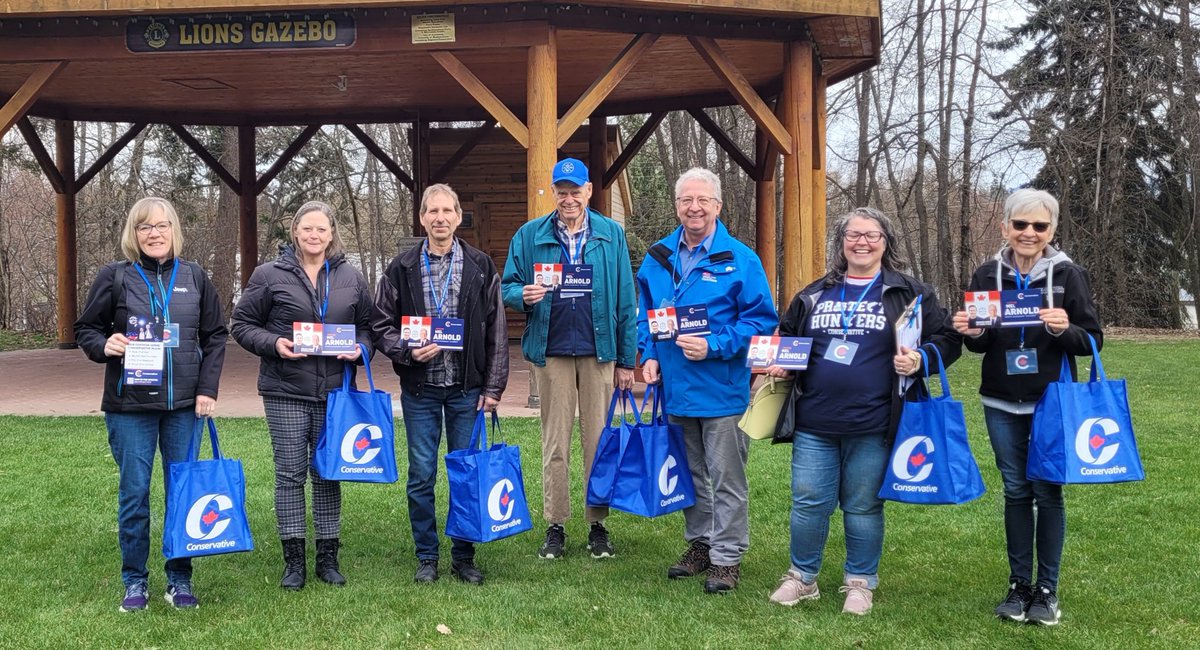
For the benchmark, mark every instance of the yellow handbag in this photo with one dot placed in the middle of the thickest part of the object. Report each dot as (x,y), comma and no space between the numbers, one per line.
(760,418)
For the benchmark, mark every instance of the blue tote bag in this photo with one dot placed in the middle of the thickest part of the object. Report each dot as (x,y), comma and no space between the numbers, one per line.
(487,488)
(358,442)
(931,461)
(1083,432)
(614,439)
(206,503)
(653,478)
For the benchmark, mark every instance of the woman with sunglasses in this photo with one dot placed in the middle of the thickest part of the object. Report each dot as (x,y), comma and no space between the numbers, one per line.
(1018,364)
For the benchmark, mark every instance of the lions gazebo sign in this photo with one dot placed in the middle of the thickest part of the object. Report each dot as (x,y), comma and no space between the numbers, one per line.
(211,33)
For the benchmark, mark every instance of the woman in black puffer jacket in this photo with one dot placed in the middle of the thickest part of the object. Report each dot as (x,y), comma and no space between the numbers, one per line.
(310,282)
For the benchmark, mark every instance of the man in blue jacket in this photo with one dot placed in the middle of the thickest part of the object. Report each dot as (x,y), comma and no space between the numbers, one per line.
(580,337)
(704,376)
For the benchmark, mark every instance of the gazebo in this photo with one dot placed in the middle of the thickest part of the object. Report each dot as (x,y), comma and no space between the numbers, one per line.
(540,70)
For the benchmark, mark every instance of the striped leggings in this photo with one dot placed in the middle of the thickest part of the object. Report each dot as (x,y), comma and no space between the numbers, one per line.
(295,427)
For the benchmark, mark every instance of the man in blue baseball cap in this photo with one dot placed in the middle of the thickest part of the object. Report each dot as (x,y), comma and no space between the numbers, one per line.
(580,337)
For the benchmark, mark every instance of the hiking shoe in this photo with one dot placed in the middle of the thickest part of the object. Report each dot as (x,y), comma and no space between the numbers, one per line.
(427,571)
(180,596)
(599,545)
(793,589)
(693,562)
(555,544)
(1044,608)
(466,571)
(722,578)
(1016,603)
(858,596)
(135,598)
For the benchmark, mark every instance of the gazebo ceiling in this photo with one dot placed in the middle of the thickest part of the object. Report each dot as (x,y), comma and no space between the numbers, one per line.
(384,76)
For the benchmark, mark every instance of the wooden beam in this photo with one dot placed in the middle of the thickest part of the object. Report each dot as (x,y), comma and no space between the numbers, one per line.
(66,236)
(381,155)
(633,147)
(247,203)
(17,105)
(819,200)
(419,138)
(465,150)
(108,155)
(722,140)
(602,87)
(209,160)
(598,163)
(765,234)
(741,89)
(766,152)
(486,98)
(541,92)
(797,168)
(286,157)
(41,155)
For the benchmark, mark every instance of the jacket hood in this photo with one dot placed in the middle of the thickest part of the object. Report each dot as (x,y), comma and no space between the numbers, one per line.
(1050,257)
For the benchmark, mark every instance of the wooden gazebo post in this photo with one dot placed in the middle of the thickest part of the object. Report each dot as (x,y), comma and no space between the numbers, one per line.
(542,121)
(66,241)
(797,169)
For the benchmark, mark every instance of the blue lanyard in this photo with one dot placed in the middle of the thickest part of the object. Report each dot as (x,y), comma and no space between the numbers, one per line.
(847,319)
(575,253)
(1022,285)
(438,301)
(165,303)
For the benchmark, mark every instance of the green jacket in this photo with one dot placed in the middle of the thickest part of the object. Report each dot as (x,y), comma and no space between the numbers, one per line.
(614,303)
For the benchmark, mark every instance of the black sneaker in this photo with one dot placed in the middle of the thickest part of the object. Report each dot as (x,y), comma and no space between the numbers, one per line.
(427,571)
(556,543)
(466,571)
(1044,608)
(599,545)
(1016,603)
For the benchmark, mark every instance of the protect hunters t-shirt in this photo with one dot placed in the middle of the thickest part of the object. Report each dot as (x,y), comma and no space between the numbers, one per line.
(854,399)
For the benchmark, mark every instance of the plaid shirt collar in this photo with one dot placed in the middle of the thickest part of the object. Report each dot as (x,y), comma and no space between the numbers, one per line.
(575,241)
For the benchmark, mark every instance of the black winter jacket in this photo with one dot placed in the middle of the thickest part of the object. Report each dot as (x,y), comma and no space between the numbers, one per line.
(280,294)
(1072,292)
(485,336)
(193,368)
(899,290)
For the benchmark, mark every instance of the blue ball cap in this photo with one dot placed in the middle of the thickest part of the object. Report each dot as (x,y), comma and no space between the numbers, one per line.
(571,170)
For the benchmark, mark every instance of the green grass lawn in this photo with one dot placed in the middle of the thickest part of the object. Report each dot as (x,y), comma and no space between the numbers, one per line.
(1129,576)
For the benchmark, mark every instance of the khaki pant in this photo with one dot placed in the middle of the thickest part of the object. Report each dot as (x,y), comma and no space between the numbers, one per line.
(563,384)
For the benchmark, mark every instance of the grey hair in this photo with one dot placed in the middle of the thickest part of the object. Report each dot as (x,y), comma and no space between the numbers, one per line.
(1026,200)
(699,174)
(335,242)
(837,254)
(440,188)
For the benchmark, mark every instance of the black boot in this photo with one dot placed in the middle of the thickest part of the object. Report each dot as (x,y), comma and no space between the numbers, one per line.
(294,570)
(327,562)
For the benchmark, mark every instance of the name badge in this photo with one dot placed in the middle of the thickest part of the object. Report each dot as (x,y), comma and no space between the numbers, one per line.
(170,335)
(841,352)
(1021,362)
(576,280)
(448,333)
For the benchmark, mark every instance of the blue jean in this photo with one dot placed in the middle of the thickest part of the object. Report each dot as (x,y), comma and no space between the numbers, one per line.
(133,436)
(1009,433)
(828,472)
(423,418)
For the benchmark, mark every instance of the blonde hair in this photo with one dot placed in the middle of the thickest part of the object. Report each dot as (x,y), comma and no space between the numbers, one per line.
(335,241)
(140,213)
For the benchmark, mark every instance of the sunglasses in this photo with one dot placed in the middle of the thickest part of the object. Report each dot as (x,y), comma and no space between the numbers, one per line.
(1021,224)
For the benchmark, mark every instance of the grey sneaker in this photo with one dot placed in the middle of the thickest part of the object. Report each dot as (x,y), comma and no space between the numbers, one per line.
(1044,608)
(180,596)
(136,598)
(793,589)
(1016,603)
(858,597)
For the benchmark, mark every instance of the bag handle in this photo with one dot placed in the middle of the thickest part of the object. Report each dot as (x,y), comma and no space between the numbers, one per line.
(941,366)
(655,398)
(348,370)
(479,432)
(197,440)
(1064,374)
(627,401)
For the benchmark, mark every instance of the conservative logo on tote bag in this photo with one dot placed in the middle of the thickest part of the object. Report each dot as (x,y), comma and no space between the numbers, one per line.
(1095,446)
(667,482)
(357,450)
(911,464)
(206,520)
(500,504)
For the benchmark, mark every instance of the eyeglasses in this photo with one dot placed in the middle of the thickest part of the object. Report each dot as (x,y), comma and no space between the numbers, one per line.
(162,227)
(702,201)
(872,236)
(1021,224)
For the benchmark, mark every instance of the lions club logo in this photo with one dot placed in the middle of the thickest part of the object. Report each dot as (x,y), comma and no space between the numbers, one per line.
(667,482)
(911,461)
(501,501)
(205,515)
(356,443)
(1090,446)
(156,35)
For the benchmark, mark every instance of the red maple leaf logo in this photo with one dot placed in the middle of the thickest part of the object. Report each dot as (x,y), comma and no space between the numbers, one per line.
(504,499)
(1096,441)
(209,517)
(361,444)
(917,459)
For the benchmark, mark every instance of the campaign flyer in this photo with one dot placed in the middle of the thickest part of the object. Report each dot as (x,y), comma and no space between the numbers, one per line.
(415,331)
(692,320)
(340,338)
(662,322)
(144,363)
(983,308)
(1020,307)
(307,338)
(143,328)
(576,278)
(787,352)
(448,333)
(547,275)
